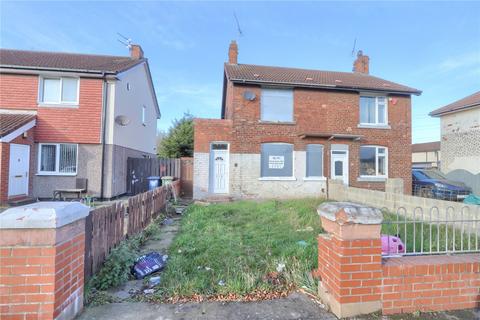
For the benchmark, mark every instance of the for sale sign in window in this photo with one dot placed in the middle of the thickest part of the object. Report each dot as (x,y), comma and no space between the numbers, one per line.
(276,162)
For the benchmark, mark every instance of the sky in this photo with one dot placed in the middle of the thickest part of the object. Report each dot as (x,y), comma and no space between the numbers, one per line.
(431,46)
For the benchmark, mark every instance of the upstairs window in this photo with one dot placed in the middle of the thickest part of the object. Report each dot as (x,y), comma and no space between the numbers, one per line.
(57,159)
(373,110)
(277,160)
(276,105)
(373,161)
(314,161)
(59,90)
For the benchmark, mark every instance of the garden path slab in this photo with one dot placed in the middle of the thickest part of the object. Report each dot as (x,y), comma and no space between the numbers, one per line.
(295,306)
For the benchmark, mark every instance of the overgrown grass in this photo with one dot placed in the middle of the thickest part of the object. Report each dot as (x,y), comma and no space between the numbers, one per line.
(232,248)
(436,237)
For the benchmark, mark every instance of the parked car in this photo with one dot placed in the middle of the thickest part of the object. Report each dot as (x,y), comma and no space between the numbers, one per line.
(431,183)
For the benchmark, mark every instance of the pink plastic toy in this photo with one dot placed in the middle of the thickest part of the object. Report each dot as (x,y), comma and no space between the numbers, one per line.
(392,245)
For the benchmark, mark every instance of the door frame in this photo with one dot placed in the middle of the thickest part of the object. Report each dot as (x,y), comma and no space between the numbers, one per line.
(27,147)
(211,167)
(346,167)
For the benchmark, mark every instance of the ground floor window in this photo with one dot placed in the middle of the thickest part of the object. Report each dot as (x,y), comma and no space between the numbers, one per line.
(276,160)
(57,158)
(314,161)
(373,161)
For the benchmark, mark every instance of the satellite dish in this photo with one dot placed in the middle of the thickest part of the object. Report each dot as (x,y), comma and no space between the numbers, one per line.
(122,120)
(249,95)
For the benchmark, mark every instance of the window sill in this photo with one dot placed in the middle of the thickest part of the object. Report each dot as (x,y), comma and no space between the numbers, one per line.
(287,123)
(374,126)
(372,179)
(58,105)
(277,179)
(56,174)
(314,179)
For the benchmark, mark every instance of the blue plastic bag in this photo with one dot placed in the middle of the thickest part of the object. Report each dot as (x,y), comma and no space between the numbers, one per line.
(148,264)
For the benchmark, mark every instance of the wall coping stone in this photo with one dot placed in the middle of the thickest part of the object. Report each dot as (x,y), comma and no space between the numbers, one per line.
(352,213)
(43,215)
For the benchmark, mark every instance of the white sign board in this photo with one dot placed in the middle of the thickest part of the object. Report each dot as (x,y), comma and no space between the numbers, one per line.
(276,162)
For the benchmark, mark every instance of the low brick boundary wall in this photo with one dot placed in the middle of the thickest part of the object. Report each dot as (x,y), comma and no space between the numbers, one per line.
(430,283)
(41,265)
(354,279)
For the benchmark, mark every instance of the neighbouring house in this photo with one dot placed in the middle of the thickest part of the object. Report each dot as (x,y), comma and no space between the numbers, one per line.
(460,140)
(283,131)
(65,116)
(426,155)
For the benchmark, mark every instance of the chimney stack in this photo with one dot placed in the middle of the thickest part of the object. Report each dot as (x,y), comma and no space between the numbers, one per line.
(136,52)
(361,64)
(233,53)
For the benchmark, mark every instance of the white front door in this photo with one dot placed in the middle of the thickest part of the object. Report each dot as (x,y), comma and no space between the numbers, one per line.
(19,168)
(339,165)
(219,168)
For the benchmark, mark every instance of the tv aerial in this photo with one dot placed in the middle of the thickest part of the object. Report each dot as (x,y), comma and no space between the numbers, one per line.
(127,42)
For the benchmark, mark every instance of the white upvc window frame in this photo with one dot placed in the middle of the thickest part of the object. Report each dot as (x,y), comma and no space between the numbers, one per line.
(376,176)
(144,115)
(57,160)
(376,123)
(60,103)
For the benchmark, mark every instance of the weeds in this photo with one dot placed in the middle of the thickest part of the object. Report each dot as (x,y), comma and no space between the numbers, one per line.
(235,249)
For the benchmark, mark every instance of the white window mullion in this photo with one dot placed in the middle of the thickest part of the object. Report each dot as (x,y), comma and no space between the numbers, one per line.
(57,159)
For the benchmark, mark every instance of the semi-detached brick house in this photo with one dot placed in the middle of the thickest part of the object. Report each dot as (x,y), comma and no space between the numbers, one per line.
(66,116)
(283,131)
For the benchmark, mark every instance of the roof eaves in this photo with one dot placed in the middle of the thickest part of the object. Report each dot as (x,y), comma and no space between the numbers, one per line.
(326,86)
(55,69)
(438,112)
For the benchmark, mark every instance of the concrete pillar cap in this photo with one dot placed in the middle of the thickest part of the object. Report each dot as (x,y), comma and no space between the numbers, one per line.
(350,213)
(43,215)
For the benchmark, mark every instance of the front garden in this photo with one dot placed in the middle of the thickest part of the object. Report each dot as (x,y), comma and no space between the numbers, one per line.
(244,250)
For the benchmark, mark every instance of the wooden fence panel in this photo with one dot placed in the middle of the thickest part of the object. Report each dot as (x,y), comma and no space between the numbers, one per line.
(186,176)
(139,169)
(103,231)
(104,226)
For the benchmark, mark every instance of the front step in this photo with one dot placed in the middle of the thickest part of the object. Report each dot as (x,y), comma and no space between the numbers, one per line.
(218,199)
(21,201)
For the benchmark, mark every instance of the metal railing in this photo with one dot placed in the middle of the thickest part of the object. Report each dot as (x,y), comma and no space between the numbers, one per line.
(434,232)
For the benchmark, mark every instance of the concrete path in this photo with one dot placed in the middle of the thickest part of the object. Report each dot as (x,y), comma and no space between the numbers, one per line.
(159,243)
(295,306)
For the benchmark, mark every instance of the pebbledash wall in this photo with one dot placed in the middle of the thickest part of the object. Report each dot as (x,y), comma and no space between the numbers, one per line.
(325,111)
(354,279)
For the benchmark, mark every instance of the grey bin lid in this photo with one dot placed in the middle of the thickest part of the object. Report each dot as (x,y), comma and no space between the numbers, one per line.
(153,178)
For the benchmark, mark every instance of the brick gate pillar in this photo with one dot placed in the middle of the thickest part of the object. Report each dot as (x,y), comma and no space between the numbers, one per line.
(350,258)
(42,247)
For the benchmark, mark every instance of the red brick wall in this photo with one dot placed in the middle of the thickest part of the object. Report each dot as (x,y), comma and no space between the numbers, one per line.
(41,271)
(322,111)
(26,284)
(69,278)
(350,269)
(5,163)
(18,91)
(57,124)
(431,283)
(208,130)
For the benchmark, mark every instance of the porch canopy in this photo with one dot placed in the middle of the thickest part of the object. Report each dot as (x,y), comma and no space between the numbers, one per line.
(13,124)
(332,136)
